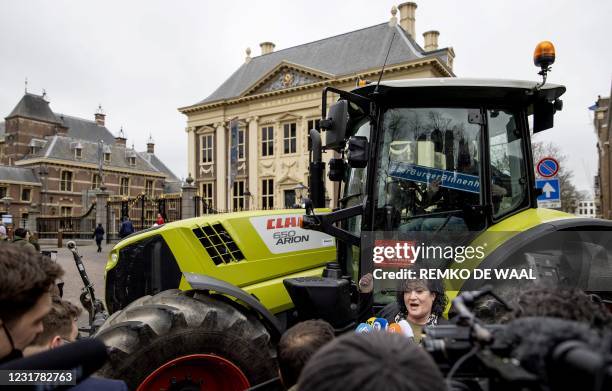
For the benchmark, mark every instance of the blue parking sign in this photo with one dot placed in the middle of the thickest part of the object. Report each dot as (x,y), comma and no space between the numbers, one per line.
(551,189)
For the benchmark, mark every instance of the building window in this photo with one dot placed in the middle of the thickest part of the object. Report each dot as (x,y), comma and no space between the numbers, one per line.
(78,153)
(124,188)
(267,141)
(267,193)
(207,197)
(34,150)
(238,196)
(312,124)
(26,194)
(107,157)
(66,181)
(206,145)
(132,160)
(95,181)
(65,211)
(591,211)
(149,187)
(290,138)
(2,150)
(241,134)
(3,191)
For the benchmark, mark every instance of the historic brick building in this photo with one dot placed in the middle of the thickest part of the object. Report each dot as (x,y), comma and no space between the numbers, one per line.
(603,180)
(51,162)
(276,98)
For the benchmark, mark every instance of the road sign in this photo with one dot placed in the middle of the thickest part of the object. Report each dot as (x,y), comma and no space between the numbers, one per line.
(547,167)
(551,189)
(549,204)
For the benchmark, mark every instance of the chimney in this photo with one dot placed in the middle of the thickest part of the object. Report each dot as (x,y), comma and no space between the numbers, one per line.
(150,145)
(120,139)
(431,40)
(99,116)
(407,12)
(266,47)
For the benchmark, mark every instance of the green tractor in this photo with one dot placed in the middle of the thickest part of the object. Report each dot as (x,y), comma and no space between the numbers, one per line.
(201,303)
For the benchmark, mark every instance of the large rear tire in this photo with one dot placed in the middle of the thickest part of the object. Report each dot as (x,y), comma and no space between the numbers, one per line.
(179,340)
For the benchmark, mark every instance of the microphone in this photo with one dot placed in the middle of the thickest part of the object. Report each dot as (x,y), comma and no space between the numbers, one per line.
(395,328)
(364,328)
(406,328)
(534,341)
(84,357)
(380,324)
(71,245)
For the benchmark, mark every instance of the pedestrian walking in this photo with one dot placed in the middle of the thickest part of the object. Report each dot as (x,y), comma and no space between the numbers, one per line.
(99,236)
(127,228)
(160,219)
(3,234)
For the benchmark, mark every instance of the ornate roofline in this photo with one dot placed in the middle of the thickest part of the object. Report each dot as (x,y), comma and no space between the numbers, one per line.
(435,62)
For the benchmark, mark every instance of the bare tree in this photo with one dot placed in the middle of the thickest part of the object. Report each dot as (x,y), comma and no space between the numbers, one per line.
(569,194)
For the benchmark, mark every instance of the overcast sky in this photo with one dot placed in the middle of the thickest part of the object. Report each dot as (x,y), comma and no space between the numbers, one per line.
(143,59)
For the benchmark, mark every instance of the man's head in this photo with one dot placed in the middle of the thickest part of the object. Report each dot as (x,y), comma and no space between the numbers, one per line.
(20,233)
(26,278)
(298,344)
(59,327)
(564,303)
(369,362)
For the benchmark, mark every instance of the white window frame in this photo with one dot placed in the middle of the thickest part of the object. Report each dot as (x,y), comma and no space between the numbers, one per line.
(107,157)
(238,197)
(267,141)
(208,198)
(267,193)
(207,145)
(122,191)
(66,185)
(149,190)
(288,137)
(95,183)
(21,194)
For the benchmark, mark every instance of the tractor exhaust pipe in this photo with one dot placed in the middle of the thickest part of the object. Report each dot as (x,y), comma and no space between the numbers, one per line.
(316,171)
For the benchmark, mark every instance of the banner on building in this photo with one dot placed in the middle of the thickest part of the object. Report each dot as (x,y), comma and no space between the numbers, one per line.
(233,155)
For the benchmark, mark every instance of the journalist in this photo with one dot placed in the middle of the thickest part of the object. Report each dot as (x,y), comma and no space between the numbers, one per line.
(297,345)
(26,280)
(60,328)
(371,362)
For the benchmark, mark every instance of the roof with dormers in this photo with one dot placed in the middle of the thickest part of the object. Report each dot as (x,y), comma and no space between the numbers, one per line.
(345,54)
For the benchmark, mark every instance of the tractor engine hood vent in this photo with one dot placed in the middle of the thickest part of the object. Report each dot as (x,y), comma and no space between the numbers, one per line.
(218,244)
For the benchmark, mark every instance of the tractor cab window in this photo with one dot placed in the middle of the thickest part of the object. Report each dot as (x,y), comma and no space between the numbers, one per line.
(508,174)
(429,170)
(354,190)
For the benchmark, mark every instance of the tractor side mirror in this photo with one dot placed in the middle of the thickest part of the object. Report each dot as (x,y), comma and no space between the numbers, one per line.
(337,168)
(335,125)
(544,114)
(358,152)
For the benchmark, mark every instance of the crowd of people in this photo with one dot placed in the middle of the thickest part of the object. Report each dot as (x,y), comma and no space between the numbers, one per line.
(310,355)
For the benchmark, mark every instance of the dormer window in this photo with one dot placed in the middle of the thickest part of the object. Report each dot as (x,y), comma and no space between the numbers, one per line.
(78,153)
(36,145)
(106,153)
(132,160)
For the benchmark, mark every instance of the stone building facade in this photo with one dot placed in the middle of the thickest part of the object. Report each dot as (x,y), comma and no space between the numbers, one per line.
(276,99)
(603,180)
(59,159)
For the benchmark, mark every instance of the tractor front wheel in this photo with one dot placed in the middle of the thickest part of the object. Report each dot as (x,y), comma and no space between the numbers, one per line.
(187,341)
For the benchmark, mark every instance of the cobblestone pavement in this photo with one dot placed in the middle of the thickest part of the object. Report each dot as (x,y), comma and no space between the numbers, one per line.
(94,265)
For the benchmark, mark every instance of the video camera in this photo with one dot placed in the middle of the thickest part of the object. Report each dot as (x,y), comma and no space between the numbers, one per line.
(535,353)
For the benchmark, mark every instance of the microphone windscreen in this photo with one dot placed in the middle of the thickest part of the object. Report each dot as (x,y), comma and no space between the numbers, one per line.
(395,328)
(85,356)
(406,328)
(363,328)
(380,324)
(371,321)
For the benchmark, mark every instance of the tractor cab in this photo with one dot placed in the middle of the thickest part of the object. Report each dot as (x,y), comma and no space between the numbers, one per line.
(433,161)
